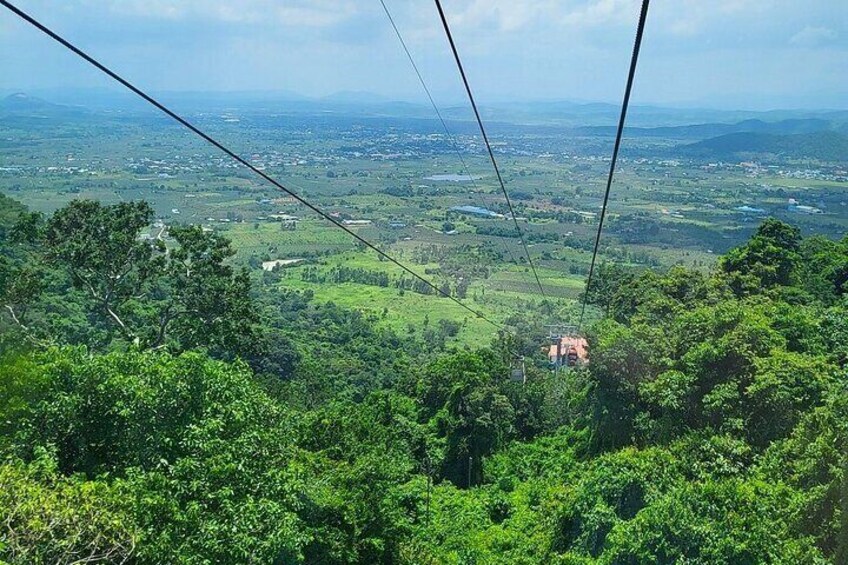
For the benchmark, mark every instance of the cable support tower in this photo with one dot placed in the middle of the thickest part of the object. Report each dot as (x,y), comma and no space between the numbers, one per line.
(465,82)
(206,137)
(634,59)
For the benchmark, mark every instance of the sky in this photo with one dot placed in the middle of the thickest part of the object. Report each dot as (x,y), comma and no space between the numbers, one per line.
(745,54)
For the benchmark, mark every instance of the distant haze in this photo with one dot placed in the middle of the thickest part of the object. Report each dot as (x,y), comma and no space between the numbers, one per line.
(751,54)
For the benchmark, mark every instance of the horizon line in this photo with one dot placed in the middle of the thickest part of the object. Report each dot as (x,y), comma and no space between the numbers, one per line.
(364,98)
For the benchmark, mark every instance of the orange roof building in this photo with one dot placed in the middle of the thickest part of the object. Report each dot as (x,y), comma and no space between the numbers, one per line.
(558,352)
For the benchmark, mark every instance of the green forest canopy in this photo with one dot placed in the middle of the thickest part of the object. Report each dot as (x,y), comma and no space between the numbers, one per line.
(162,407)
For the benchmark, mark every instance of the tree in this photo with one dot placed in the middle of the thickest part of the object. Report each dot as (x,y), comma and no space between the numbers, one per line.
(608,279)
(473,414)
(823,272)
(48,518)
(181,296)
(198,457)
(784,386)
(814,460)
(717,522)
(769,259)
(20,286)
(620,362)
(199,299)
(21,280)
(100,247)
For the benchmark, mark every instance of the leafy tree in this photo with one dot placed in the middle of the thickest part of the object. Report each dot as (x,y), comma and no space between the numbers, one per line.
(462,393)
(717,523)
(366,451)
(769,259)
(824,268)
(20,286)
(607,281)
(613,490)
(200,454)
(48,518)
(620,361)
(814,460)
(784,386)
(99,247)
(199,299)
(182,297)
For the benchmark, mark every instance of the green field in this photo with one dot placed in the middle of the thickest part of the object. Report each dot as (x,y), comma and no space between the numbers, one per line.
(662,212)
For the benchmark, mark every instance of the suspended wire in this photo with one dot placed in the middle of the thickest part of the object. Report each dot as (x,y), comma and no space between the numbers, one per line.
(182,121)
(488,145)
(625,103)
(438,112)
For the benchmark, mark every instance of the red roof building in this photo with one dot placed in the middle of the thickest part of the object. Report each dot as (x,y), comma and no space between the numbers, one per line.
(559,351)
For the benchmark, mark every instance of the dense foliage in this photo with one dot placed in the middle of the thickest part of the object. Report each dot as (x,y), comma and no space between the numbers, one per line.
(710,427)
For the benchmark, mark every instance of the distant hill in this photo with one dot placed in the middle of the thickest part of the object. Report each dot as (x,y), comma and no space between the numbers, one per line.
(355,97)
(24,105)
(20,102)
(581,118)
(601,118)
(823,145)
(704,131)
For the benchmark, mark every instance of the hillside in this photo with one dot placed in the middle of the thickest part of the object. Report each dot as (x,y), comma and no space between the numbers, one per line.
(24,105)
(823,146)
(702,131)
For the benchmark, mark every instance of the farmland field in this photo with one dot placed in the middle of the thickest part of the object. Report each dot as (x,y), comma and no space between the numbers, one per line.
(398,181)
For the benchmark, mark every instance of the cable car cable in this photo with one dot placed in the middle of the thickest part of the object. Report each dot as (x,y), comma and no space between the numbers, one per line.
(486,141)
(182,121)
(634,59)
(441,118)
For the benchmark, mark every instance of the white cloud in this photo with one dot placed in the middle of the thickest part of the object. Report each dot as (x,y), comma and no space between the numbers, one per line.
(309,13)
(513,48)
(687,18)
(812,36)
(601,12)
(505,15)
(514,15)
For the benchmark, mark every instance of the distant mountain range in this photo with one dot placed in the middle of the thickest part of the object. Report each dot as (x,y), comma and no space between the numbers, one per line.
(643,120)
(794,135)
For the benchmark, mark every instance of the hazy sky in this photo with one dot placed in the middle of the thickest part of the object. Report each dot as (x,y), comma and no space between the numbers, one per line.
(718,53)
